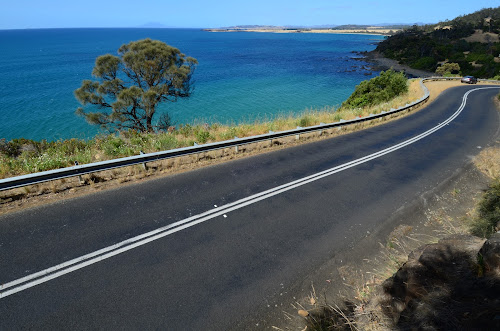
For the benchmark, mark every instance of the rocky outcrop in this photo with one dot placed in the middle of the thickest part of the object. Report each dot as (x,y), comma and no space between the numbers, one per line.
(490,255)
(451,285)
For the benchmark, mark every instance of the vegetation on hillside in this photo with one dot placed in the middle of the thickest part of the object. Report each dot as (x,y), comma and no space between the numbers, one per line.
(471,41)
(388,85)
(488,212)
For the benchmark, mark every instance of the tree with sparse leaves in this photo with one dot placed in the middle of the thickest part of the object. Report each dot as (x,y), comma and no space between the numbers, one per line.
(130,86)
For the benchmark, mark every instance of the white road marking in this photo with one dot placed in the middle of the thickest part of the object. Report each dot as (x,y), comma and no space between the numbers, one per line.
(126,245)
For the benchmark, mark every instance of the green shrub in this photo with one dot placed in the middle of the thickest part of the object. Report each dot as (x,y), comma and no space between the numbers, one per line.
(115,146)
(202,136)
(378,90)
(448,68)
(489,212)
(72,146)
(185,130)
(424,63)
(337,116)
(229,134)
(165,142)
(480,58)
(305,121)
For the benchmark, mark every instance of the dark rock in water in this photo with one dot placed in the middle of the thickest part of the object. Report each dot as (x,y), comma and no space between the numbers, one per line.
(442,287)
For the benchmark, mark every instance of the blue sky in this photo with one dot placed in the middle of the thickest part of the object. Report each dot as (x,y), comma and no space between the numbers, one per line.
(21,14)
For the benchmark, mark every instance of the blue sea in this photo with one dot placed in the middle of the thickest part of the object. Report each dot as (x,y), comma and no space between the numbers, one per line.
(241,77)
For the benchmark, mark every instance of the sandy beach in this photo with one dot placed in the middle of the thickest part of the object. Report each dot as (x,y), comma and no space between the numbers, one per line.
(384,32)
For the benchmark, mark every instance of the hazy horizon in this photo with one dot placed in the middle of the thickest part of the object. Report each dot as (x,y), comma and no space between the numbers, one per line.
(27,14)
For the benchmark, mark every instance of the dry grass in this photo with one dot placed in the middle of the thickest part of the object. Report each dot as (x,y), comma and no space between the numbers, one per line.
(488,161)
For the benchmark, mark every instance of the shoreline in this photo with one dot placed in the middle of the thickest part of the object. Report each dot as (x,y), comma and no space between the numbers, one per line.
(381,63)
(381,32)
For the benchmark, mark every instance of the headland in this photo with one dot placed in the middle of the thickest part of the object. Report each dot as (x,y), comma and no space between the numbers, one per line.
(369,30)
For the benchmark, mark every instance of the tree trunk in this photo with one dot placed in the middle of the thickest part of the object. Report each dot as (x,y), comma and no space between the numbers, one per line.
(149,124)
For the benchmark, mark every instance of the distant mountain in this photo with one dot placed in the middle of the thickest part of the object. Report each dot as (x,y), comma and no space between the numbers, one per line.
(154,25)
(470,40)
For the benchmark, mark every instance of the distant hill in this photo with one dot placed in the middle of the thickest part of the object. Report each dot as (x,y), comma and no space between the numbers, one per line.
(470,40)
(371,26)
(351,28)
(395,26)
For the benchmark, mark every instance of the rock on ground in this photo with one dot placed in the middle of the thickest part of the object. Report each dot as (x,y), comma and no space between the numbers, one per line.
(447,286)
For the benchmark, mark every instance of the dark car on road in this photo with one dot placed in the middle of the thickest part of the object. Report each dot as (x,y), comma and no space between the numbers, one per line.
(469,80)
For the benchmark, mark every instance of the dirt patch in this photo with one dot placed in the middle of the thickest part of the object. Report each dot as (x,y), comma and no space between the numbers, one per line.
(483,37)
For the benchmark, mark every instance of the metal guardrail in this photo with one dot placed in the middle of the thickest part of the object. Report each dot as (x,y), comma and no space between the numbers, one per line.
(77,170)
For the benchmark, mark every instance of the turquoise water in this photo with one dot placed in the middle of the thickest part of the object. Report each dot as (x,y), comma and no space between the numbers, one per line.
(240,77)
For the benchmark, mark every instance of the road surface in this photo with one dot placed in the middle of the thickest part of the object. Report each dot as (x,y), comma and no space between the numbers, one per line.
(226,247)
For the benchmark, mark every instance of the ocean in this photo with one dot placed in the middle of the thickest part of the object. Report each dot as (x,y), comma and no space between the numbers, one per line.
(241,77)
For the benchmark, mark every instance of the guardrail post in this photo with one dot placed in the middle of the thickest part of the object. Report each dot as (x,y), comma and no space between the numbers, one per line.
(271,145)
(144,166)
(80,179)
(197,154)
(235,147)
(297,136)
(340,127)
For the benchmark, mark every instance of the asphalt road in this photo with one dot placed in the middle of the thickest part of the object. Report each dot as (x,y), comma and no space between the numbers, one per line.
(236,267)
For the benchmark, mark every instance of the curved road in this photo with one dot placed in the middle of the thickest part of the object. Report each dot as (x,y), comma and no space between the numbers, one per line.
(224,247)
